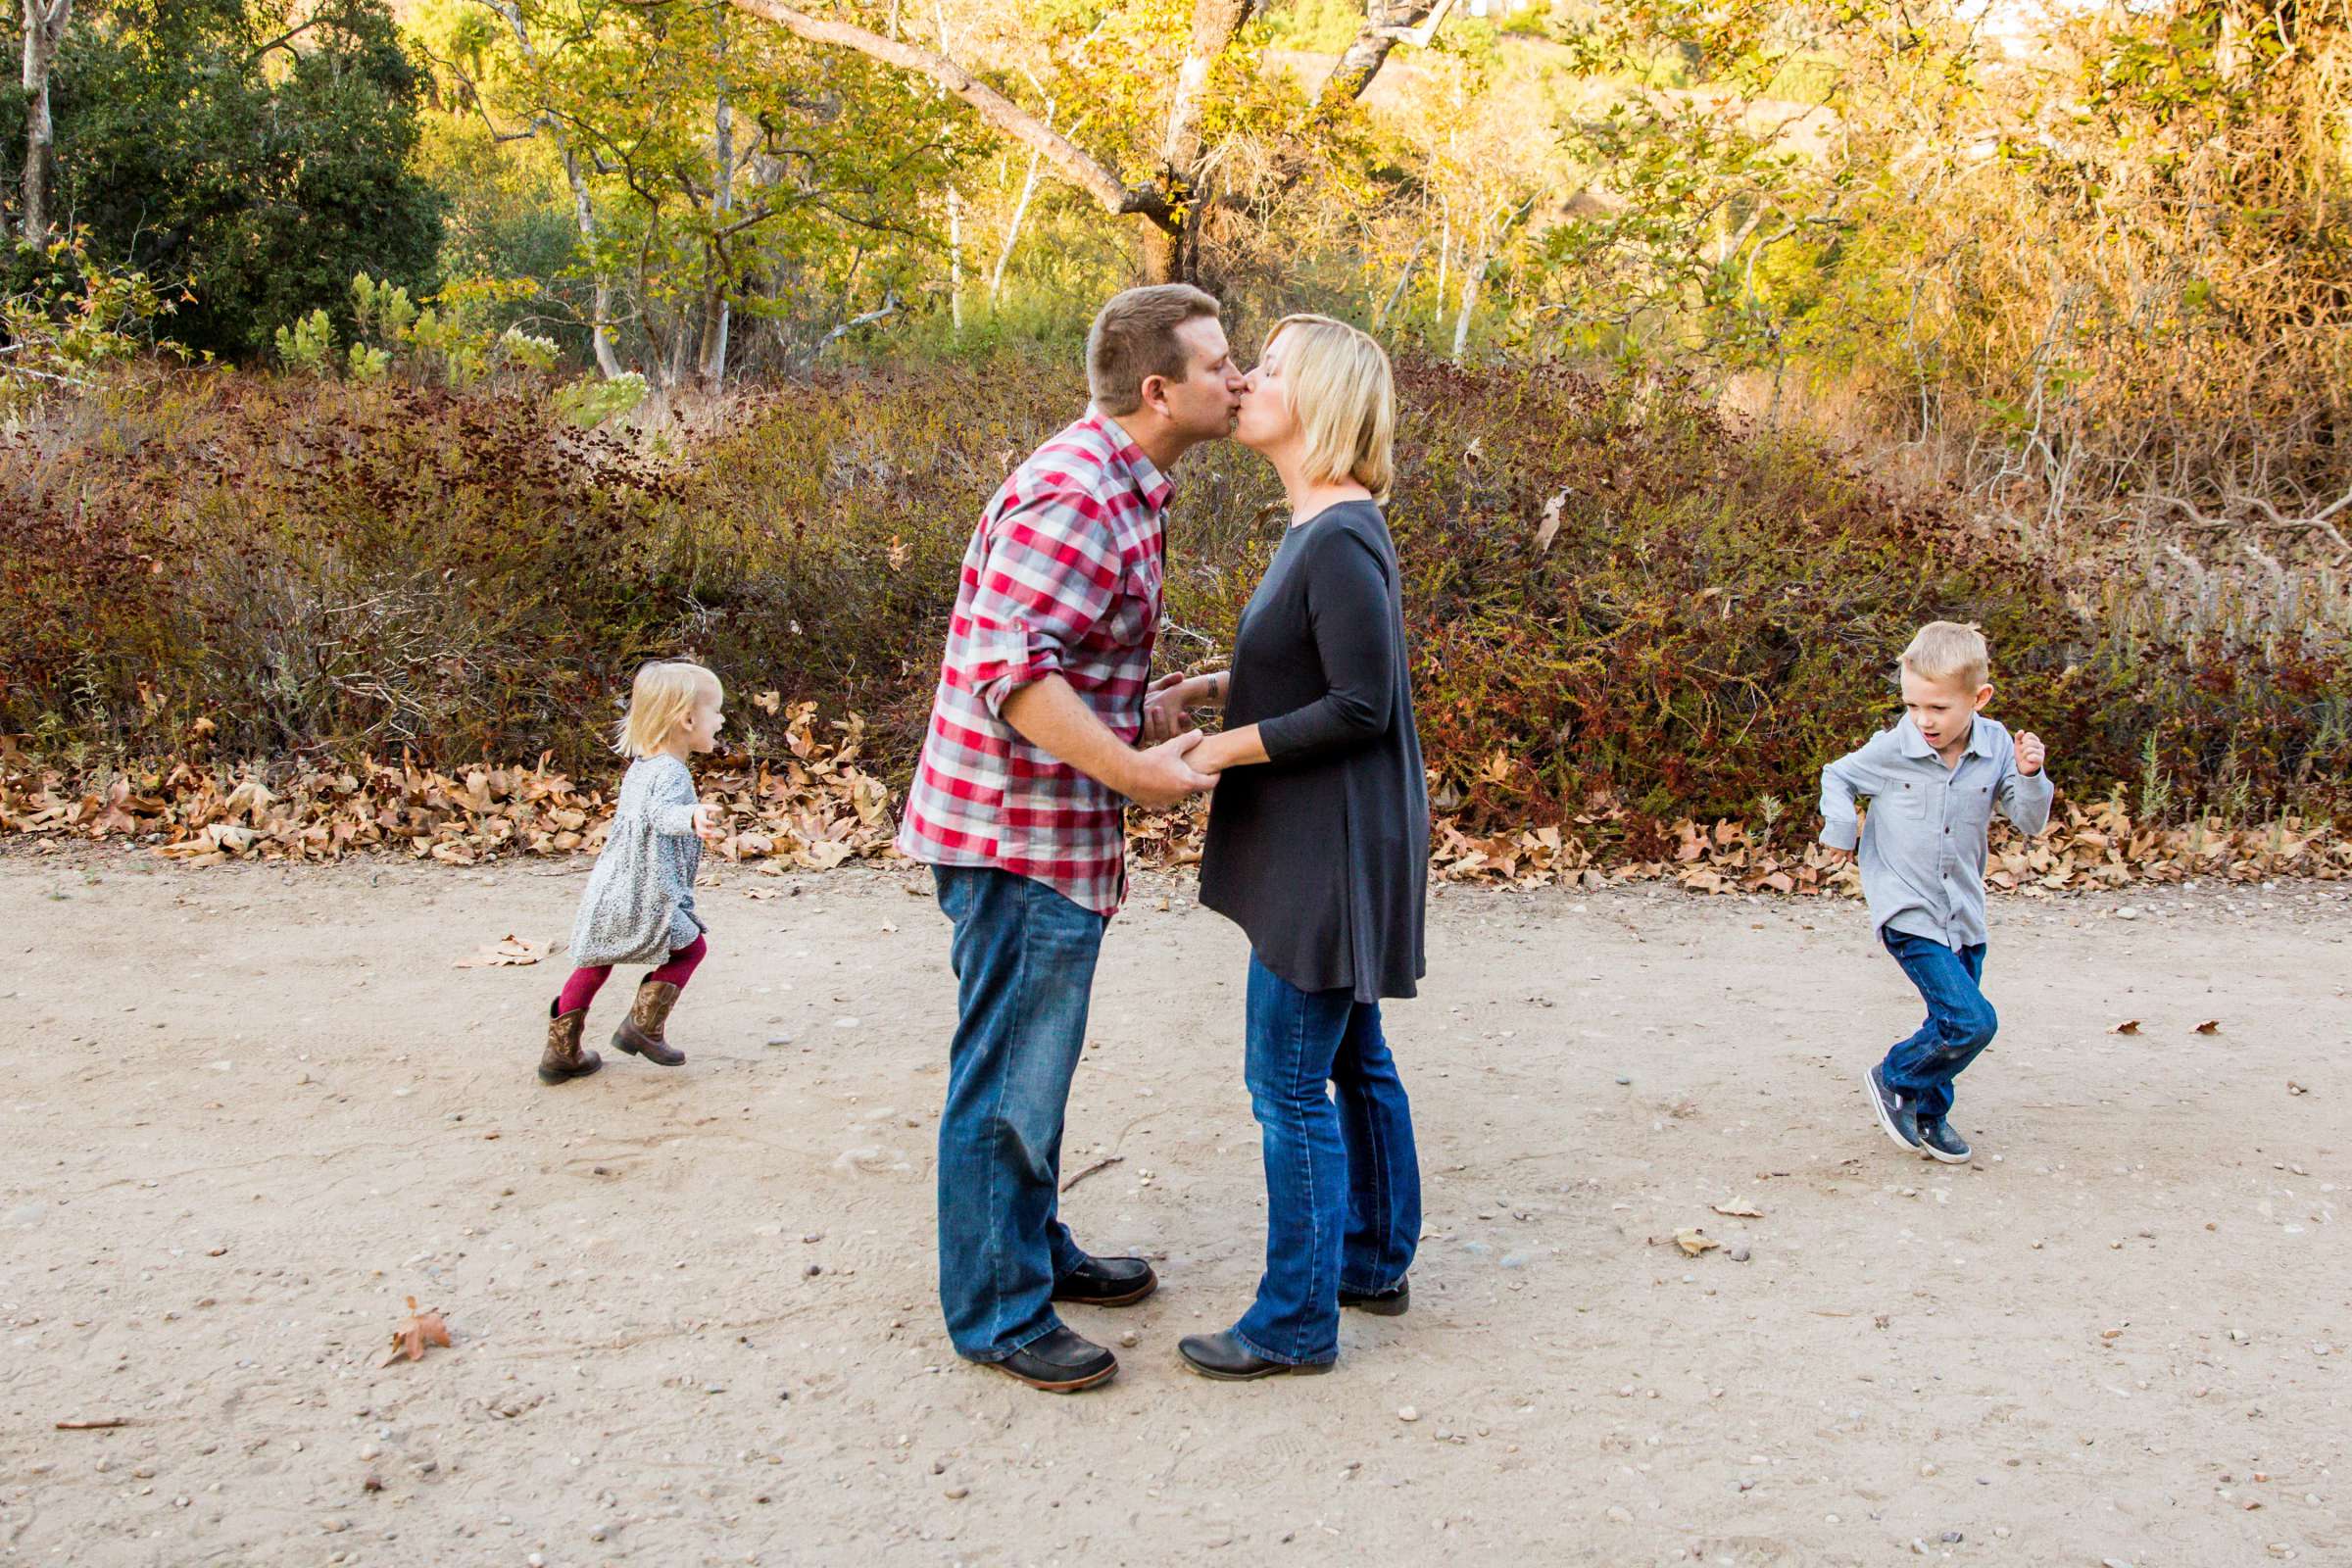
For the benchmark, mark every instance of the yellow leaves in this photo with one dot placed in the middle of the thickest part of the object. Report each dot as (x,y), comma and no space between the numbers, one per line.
(1694,1241)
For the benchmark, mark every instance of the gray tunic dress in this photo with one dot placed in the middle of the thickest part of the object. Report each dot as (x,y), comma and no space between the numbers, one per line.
(639,906)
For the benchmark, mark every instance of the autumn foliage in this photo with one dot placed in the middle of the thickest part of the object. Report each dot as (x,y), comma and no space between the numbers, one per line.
(1627,610)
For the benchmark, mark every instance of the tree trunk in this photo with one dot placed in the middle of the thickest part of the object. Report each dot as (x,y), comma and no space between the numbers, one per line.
(954,262)
(722,204)
(1472,273)
(1020,210)
(44,29)
(599,330)
(1387,23)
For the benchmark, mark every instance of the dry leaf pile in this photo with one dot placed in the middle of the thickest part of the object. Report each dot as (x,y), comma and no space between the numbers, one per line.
(818,807)
(814,808)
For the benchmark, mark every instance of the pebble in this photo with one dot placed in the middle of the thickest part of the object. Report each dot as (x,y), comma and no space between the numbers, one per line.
(1130,1340)
(1951,1537)
(535,1560)
(1623,1079)
(1620,1515)
(1405,1412)
(1926,1469)
(1740,1254)
(601,1533)
(959,1493)
(779,1040)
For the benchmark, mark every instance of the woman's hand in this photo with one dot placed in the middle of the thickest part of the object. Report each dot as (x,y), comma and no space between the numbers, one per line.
(1168,706)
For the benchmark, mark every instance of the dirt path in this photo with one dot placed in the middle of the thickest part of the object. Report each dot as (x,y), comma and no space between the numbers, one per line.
(248,1112)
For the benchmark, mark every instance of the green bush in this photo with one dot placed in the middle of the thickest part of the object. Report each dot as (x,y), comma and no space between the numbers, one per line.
(328,567)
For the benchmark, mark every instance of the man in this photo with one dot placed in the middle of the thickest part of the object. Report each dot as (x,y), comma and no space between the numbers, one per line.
(1018,806)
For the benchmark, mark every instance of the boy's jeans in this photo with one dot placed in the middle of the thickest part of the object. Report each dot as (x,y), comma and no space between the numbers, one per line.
(1960,1021)
(1024,961)
(1343,1181)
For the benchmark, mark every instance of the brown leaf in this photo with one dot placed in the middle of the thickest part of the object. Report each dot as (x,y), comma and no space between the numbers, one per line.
(1695,1241)
(415,1332)
(2130,1026)
(509,951)
(2211,1026)
(1740,1208)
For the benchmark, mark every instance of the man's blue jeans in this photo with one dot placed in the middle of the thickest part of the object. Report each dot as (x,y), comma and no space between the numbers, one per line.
(1960,1022)
(1024,961)
(1343,1181)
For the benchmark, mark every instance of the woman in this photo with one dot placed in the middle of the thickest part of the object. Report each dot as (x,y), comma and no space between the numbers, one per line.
(1318,848)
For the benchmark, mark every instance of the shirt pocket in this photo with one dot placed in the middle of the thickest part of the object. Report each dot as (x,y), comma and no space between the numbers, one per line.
(1134,615)
(1972,804)
(1903,798)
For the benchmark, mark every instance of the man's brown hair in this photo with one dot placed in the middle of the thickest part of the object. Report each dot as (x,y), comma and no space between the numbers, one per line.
(1134,338)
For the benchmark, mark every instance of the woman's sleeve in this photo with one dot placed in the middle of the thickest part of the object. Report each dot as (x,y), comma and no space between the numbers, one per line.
(1356,642)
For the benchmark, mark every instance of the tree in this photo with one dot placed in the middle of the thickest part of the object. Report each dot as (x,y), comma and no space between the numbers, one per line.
(256,153)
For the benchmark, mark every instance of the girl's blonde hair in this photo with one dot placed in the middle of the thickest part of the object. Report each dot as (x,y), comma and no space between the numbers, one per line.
(1949,651)
(665,692)
(1337,381)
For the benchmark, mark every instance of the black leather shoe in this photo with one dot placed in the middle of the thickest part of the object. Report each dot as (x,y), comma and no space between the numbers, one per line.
(1898,1119)
(1229,1360)
(1107,1282)
(1059,1362)
(1380,1303)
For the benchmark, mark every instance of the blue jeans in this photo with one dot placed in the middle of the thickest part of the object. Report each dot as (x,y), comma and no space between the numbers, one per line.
(1024,961)
(1960,1021)
(1342,1182)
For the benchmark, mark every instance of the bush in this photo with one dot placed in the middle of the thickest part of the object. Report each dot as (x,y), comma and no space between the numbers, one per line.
(333,567)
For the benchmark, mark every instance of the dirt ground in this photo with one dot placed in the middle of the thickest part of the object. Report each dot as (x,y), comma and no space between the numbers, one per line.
(248,1112)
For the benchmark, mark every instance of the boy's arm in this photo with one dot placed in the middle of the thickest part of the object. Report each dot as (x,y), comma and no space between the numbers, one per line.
(1842,781)
(2025,789)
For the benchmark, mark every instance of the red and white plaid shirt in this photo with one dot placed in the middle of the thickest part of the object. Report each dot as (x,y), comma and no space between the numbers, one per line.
(1063,579)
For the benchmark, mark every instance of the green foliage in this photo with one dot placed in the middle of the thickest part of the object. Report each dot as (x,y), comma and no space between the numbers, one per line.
(258,151)
(590,401)
(307,344)
(64,318)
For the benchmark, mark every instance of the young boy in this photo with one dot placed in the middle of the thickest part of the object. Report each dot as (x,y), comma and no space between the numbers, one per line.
(1932,781)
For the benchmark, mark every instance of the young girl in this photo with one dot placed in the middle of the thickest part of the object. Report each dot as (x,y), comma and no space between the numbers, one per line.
(639,906)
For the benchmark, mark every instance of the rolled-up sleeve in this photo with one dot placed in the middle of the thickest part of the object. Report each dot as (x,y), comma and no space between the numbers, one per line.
(1050,572)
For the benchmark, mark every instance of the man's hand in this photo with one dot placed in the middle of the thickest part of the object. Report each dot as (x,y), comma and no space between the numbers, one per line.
(2031,754)
(1167,708)
(706,825)
(1161,778)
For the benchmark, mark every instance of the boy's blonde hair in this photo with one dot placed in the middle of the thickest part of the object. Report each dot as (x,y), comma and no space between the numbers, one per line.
(665,692)
(1337,381)
(1948,651)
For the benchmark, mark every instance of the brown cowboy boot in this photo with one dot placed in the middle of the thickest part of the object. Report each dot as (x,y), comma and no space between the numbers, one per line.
(564,1059)
(640,1033)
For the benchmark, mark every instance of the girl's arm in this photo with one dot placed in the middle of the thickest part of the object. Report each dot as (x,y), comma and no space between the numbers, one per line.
(672,810)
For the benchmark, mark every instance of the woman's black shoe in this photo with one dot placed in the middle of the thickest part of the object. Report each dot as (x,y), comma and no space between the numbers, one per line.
(1229,1360)
(1106,1282)
(1379,1303)
(1059,1362)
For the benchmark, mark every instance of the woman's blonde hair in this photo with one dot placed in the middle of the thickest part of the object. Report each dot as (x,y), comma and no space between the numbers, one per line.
(1337,381)
(665,692)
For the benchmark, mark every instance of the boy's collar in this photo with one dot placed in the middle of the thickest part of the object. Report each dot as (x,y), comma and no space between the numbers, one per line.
(1915,745)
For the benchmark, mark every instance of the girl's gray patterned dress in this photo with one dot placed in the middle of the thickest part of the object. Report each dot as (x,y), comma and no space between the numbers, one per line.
(639,906)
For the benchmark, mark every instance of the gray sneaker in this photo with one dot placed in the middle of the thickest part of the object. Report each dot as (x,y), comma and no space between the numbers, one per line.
(1891,1112)
(1936,1136)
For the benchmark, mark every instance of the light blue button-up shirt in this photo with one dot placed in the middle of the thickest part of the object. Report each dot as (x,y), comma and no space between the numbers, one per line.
(1922,848)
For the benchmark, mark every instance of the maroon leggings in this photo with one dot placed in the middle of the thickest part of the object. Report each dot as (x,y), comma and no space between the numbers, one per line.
(584,984)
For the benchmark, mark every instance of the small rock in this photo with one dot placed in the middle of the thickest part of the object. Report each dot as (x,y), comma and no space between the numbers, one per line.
(601,1533)
(1623,1079)
(373,1484)
(958,1493)
(1619,1515)
(1406,1412)
(1130,1340)
(535,1560)
(1926,1469)
(813,1270)
(1951,1537)
(1740,1254)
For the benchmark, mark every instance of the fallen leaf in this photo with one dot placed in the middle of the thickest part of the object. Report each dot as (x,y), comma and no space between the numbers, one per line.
(766,702)
(1551,522)
(1693,1240)
(2211,1026)
(1740,1208)
(2130,1026)
(509,950)
(416,1331)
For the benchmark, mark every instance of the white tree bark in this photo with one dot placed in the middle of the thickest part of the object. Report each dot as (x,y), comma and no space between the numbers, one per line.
(44,29)
(722,204)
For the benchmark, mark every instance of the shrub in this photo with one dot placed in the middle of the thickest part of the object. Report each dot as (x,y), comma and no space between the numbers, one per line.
(1617,597)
